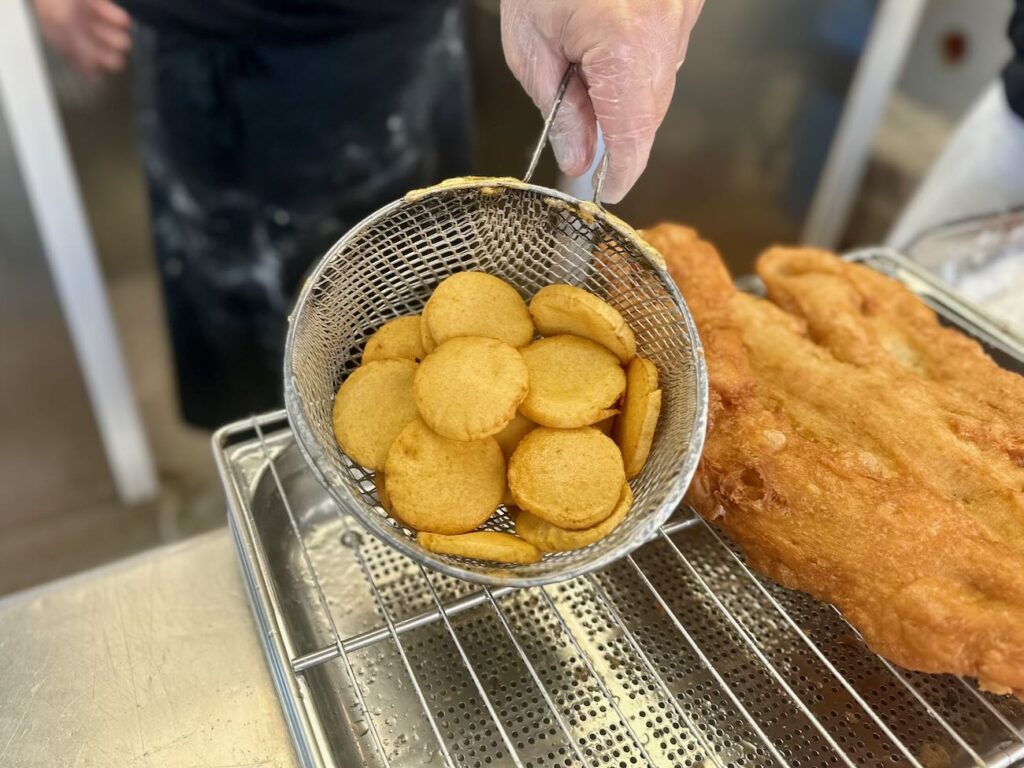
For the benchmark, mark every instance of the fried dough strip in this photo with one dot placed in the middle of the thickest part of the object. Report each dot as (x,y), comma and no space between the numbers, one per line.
(855,453)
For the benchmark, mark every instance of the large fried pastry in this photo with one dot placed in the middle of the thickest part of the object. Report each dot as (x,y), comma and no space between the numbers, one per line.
(558,309)
(635,426)
(372,406)
(574,382)
(470,387)
(550,538)
(440,485)
(482,545)
(397,339)
(864,453)
(478,304)
(571,478)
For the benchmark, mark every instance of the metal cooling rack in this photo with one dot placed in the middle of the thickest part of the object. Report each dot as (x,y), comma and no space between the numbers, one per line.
(676,655)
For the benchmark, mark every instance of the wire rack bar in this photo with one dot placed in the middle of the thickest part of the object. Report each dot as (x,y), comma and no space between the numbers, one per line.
(357,689)
(594,673)
(752,645)
(454,608)
(472,671)
(726,688)
(1015,731)
(389,620)
(362,640)
(631,638)
(928,708)
(535,677)
(847,686)
(933,713)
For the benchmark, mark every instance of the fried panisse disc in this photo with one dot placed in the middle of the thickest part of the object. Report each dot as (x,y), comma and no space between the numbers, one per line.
(482,545)
(634,429)
(478,304)
(470,387)
(571,478)
(513,433)
(574,382)
(426,340)
(382,490)
(509,438)
(558,309)
(550,538)
(398,339)
(372,406)
(440,485)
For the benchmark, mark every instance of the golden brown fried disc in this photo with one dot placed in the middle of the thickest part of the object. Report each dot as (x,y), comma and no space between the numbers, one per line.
(513,433)
(482,545)
(478,304)
(372,406)
(558,309)
(441,485)
(382,490)
(635,426)
(470,387)
(571,478)
(574,382)
(426,340)
(550,538)
(398,339)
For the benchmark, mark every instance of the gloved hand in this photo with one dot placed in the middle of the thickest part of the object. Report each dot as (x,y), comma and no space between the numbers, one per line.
(627,52)
(92,35)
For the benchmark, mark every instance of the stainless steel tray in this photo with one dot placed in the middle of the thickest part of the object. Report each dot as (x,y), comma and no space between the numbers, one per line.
(677,655)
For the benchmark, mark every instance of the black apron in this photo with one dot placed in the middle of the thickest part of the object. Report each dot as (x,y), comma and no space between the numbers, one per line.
(259,156)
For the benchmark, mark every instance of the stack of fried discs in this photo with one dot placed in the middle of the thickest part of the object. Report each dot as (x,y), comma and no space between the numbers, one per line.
(462,410)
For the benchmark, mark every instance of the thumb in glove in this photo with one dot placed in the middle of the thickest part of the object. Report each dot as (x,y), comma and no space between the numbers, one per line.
(627,52)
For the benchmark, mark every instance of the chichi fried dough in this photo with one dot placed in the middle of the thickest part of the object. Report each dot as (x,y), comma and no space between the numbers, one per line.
(635,426)
(482,545)
(372,406)
(440,485)
(574,382)
(397,339)
(862,451)
(470,387)
(513,433)
(478,304)
(571,478)
(550,538)
(558,309)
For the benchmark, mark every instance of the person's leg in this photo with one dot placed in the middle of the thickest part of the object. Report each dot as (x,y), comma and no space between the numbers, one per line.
(981,170)
(258,157)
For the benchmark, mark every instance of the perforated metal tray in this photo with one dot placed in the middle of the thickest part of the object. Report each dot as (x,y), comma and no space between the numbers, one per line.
(678,655)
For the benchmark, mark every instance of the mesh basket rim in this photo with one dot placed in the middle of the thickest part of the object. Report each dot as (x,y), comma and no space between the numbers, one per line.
(315,456)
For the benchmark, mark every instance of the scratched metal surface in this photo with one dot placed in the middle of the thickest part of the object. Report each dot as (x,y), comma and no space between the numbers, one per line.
(154,662)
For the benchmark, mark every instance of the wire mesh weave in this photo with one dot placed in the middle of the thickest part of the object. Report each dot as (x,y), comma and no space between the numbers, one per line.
(530,236)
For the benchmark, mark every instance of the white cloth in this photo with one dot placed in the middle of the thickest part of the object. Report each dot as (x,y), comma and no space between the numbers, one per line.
(981,170)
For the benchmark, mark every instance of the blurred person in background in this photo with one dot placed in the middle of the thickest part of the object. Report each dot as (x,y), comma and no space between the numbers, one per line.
(269,127)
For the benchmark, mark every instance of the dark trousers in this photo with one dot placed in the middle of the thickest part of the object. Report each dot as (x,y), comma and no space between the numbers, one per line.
(258,157)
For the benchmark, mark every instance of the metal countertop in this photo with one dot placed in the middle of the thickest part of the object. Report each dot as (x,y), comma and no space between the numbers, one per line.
(152,661)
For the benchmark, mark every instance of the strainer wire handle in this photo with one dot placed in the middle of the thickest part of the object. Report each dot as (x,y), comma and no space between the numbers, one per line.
(543,140)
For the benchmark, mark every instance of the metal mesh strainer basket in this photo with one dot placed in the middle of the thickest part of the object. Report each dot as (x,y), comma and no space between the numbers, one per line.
(530,236)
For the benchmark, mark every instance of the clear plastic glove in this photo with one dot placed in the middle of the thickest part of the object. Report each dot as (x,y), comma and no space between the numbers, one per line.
(627,52)
(92,35)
